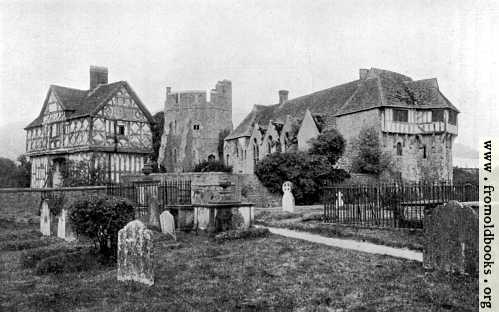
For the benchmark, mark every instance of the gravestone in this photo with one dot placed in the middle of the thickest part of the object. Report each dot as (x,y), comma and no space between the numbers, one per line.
(45,219)
(203,217)
(167,223)
(135,253)
(64,230)
(451,239)
(288,200)
(339,200)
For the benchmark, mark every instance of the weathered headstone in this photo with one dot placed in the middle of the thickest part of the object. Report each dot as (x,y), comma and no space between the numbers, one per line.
(288,200)
(203,217)
(167,223)
(451,239)
(135,253)
(64,230)
(339,200)
(45,219)
(154,213)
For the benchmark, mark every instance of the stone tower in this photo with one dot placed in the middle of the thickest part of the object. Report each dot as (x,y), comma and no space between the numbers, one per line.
(193,125)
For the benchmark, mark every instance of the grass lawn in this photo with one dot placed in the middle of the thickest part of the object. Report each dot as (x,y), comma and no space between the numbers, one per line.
(309,221)
(272,273)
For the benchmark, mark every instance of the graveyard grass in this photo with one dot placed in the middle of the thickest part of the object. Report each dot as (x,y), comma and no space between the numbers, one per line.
(271,273)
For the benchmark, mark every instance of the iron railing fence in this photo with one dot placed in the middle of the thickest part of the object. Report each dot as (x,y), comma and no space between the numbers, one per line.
(390,205)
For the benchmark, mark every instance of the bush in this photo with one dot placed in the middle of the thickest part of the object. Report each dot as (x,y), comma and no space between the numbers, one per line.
(330,144)
(307,173)
(99,218)
(212,166)
(75,261)
(371,159)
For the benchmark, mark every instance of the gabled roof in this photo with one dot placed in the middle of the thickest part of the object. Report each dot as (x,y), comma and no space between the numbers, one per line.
(79,103)
(383,88)
(323,102)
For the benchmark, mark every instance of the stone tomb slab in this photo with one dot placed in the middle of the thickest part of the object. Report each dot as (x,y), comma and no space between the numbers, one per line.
(135,253)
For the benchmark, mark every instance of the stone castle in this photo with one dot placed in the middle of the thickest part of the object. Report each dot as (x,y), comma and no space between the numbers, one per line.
(194,125)
(415,122)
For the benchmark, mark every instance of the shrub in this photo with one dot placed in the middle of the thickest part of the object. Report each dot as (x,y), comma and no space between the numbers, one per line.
(75,261)
(370,159)
(307,173)
(212,166)
(330,144)
(99,218)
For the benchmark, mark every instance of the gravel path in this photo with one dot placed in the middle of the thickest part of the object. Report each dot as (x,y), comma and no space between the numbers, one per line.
(351,244)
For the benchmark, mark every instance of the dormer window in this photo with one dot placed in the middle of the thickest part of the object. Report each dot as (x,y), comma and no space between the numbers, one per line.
(195,127)
(401,115)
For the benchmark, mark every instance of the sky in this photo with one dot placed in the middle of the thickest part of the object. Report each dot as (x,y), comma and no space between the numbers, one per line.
(261,46)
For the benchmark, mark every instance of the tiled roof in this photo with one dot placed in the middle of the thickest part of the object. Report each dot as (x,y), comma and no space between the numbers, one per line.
(380,88)
(78,103)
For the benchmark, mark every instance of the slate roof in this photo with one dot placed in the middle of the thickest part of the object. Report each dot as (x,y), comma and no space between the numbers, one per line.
(380,88)
(79,103)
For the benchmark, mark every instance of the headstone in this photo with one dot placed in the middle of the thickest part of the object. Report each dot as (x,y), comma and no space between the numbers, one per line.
(451,239)
(288,200)
(167,223)
(64,230)
(135,253)
(339,199)
(45,219)
(203,217)
(154,213)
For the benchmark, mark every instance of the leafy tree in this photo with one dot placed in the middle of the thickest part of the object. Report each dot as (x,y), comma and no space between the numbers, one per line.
(99,218)
(330,144)
(221,137)
(212,165)
(24,171)
(463,176)
(370,159)
(307,173)
(8,173)
(157,133)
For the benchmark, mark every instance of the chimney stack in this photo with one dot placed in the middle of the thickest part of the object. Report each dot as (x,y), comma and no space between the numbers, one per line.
(283,96)
(363,73)
(98,75)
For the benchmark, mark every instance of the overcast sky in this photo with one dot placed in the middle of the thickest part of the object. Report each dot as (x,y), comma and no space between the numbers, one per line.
(261,46)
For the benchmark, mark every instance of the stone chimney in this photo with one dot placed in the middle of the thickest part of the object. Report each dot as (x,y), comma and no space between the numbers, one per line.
(98,75)
(363,73)
(283,96)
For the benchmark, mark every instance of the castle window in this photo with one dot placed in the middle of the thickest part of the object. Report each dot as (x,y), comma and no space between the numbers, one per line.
(195,127)
(452,117)
(121,130)
(401,115)
(437,115)
(227,163)
(399,149)
(175,155)
(255,154)
(424,151)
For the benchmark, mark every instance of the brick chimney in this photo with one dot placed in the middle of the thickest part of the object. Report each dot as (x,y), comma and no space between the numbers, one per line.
(283,96)
(98,75)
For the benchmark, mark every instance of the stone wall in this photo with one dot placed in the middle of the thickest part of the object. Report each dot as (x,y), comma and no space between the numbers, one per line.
(24,203)
(451,238)
(254,192)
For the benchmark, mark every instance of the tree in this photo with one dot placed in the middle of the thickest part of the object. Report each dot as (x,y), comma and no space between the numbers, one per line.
(24,171)
(8,173)
(307,173)
(370,159)
(463,176)
(221,139)
(157,133)
(330,144)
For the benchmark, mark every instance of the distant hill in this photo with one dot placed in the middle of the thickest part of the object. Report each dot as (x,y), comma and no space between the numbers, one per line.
(12,139)
(465,156)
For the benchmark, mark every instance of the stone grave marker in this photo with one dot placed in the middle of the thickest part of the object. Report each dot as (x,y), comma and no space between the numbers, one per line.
(135,253)
(451,238)
(45,219)
(167,223)
(288,200)
(154,219)
(64,230)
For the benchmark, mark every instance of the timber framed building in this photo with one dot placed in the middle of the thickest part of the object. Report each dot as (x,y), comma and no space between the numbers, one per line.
(106,126)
